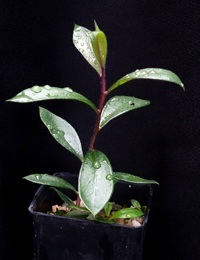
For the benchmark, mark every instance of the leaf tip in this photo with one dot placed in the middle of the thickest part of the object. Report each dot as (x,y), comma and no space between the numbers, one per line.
(76,26)
(96,26)
(182,85)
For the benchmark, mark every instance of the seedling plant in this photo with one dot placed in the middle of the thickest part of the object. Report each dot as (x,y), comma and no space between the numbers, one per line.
(96,179)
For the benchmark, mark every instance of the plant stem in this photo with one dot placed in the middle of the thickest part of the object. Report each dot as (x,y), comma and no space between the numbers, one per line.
(98,117)
(101,104)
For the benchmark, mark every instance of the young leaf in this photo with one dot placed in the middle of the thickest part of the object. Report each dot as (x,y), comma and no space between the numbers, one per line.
(63,132)
(107,208)
(127,177)
(104,220)
(135,204)
(67,200)
(95,188)
(77,214)
(148,73)
(38,93)
(50,180)
(127,213)
(119,105)
(99,44)
(83,42)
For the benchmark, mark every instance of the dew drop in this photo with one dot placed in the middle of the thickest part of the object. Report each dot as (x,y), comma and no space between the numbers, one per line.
(109,177)
(54,132)
(96,165)
(143,73)
(68,89)
(128,216)
(131,103)
(47,87)
(137,73)
(61,133)
(55,135)
(113,99)
(36,89)
(24,99)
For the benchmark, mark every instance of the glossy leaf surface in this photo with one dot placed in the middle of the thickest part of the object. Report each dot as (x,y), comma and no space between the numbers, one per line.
(119,105)
(50,180)
(127,177)
(99,44)
(38,93)
(82,39)
(149,73)
(63,132)
(127,213)
(68,201)
(95,188)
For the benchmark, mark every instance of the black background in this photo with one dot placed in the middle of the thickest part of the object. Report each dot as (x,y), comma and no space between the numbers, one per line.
(161,141)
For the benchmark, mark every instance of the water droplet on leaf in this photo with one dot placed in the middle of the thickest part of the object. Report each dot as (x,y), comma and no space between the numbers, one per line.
(96,165)
(47,87)
(109,177)
(68,89)
(36,89)
(131,103)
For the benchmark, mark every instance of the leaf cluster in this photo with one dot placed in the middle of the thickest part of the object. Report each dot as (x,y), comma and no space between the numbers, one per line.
(97,179)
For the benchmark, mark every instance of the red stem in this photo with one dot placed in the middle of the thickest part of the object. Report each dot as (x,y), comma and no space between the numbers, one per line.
(98,117)
(101,104)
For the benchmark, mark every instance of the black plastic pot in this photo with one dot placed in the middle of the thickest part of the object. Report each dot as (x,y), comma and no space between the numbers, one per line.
(59,238)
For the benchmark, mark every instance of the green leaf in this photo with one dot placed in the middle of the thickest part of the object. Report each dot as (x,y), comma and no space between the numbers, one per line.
(58,212)
(50,180)
(104,220)
(119,105)
(148,73)
(127,177)
(63,132)
(127,213)
(38,93)
(107,208)
(68,201)
(82,39)
(95,189)
(99,45)
(135,204)
(77,214)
